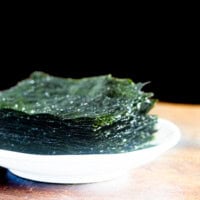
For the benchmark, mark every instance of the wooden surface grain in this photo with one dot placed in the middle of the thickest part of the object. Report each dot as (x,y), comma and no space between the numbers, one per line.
(175,175)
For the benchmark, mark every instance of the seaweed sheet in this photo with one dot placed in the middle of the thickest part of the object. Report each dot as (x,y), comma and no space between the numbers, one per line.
(50,115)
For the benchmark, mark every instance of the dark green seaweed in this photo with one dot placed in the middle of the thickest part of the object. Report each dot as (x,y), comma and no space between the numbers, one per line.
(54,116)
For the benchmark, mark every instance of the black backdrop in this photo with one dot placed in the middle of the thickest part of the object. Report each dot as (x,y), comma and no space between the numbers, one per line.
(171,79)
(161,47)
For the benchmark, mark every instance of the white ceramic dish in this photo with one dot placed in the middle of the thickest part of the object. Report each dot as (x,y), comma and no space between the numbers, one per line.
(88,168)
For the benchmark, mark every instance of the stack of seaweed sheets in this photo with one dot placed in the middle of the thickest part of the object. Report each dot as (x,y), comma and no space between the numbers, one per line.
(56,116)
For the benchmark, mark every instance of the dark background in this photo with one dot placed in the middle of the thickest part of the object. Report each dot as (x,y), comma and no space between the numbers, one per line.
(156,45)
(171,80)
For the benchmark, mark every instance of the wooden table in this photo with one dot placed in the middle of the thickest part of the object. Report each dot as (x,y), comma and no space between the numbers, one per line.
(175,175)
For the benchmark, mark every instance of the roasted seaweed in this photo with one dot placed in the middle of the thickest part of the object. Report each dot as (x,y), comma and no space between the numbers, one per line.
(50,115)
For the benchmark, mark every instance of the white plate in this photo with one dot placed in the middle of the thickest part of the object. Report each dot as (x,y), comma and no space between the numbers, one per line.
(88,168)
